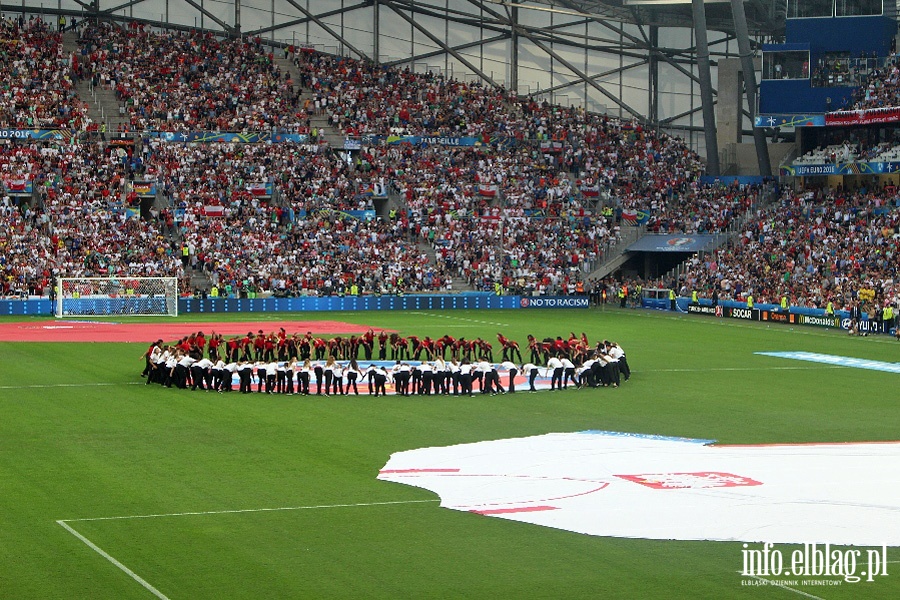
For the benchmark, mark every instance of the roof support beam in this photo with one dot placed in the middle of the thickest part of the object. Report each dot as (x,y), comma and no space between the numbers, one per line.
(433,53)
(583,76)
(304,20)
(622,69)
(315,19)
(706,94)
(436,40)
(228,28)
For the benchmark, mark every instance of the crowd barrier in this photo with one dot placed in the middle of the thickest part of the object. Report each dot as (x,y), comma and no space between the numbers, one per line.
(728,309)
(348,303)
(116,306)
(26,307)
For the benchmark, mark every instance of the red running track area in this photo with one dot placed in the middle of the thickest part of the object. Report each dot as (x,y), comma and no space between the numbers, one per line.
(103,331)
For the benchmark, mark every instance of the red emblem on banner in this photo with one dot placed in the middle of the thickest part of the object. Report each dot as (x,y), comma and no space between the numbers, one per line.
(680,481)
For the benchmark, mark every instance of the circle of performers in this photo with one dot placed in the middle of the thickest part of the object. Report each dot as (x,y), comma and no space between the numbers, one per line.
(282,363)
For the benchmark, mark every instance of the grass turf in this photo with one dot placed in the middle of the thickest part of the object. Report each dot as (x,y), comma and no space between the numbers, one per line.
(118,449)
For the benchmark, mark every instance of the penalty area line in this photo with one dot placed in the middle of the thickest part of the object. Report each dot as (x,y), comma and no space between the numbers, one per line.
(115,562)
(246,510)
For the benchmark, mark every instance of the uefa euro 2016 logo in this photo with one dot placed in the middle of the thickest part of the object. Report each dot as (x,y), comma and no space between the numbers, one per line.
(828,565)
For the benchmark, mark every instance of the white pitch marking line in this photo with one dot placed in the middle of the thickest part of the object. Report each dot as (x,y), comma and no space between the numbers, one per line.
(115,562)
(437,316)
(703,370)
(245,510)
(66,385)
(782,586)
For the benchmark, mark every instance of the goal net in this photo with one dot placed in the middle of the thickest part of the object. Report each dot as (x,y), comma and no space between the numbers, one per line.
(100,296)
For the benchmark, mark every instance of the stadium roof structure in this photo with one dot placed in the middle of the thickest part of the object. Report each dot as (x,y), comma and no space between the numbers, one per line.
(764,17)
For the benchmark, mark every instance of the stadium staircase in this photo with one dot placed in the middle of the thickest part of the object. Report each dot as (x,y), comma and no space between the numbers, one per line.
(458,283)
(331,135)
(334,138)
(615,256)
(789,158)
(70,42)
(384,205)
(103,106)
(199,280)
(286,65)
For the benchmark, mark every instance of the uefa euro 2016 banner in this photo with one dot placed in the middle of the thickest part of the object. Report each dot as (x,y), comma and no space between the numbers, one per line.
(35,134)
(850,168)
(167,136)
(188,137)
(671,243)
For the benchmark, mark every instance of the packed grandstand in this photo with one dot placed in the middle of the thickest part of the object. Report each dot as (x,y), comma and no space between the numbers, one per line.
(533,207)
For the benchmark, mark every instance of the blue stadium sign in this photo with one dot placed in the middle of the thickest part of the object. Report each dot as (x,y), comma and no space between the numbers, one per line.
(554,302)
(34,134)
(188,137)
(789,121)
(850,168)
(671,243)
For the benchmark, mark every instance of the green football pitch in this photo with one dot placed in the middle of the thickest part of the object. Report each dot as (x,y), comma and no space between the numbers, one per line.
(113,489)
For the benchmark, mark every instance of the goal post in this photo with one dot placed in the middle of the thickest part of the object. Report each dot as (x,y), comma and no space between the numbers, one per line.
(116,296)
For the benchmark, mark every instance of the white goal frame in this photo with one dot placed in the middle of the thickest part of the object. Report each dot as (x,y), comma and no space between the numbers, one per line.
(116,296)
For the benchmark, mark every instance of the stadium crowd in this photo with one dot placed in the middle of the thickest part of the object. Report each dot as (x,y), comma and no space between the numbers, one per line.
(38,90)
(189,81)
(881,88)
(518,211)
(77,224)
(546,172)
(813,248)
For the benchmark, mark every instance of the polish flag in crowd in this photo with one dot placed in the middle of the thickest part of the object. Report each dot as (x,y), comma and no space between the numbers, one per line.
(487,190)
(635,217)
(16,185)
(257,188)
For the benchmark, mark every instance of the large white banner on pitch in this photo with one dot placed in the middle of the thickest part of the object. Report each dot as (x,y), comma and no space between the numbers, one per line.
(637,486)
